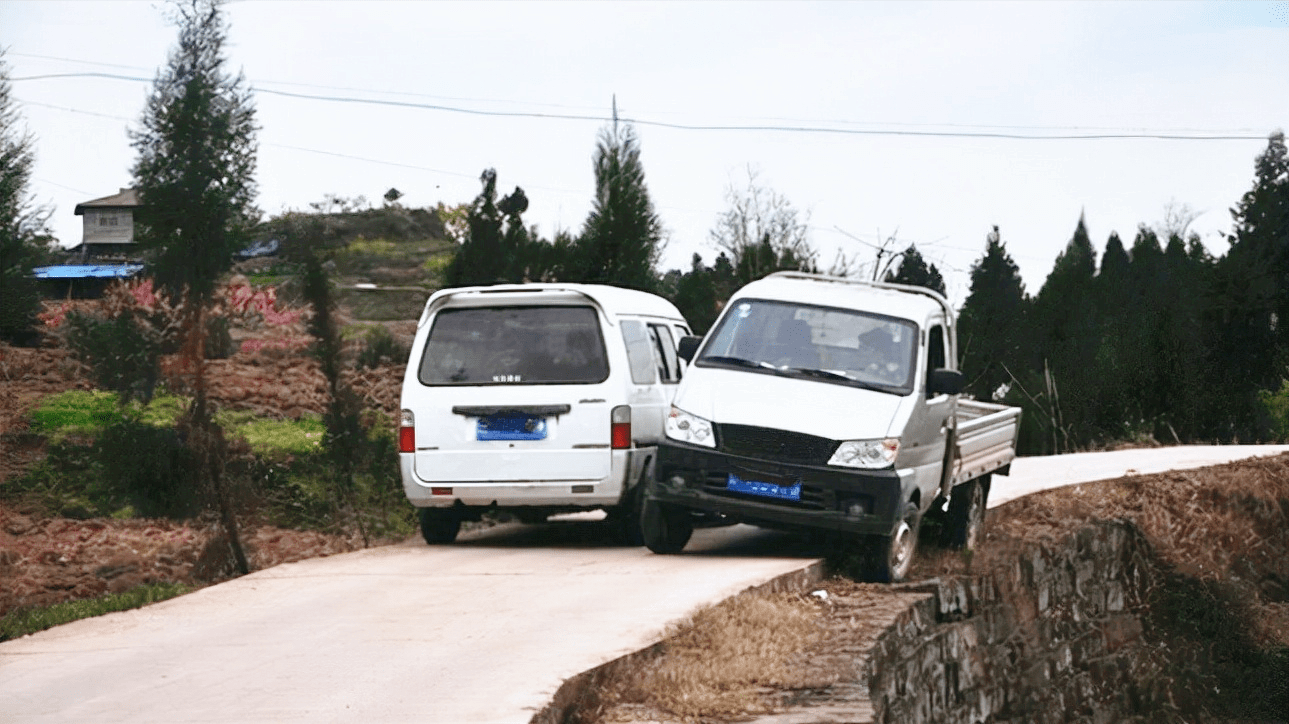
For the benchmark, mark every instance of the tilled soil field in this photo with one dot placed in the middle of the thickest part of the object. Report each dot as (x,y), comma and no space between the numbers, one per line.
(46,560)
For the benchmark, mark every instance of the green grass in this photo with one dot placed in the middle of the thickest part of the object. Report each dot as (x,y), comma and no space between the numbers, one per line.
(30,620)
(274,438)
(81,412)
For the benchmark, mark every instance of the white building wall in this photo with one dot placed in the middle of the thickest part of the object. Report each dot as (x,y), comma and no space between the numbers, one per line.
(109,226)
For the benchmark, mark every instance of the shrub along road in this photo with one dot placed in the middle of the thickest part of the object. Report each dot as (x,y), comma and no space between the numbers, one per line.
(482,631)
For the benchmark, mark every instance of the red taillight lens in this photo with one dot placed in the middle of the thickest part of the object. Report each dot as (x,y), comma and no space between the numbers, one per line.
(620,427)
(407,433)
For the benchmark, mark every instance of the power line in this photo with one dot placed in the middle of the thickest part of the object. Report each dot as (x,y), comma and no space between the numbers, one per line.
(1114,131)
(1000,135)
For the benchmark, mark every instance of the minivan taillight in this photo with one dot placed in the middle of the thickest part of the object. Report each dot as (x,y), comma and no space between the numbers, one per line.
(620,427)
(407,432)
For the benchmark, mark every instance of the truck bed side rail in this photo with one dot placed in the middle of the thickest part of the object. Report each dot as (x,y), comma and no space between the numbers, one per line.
(986,439)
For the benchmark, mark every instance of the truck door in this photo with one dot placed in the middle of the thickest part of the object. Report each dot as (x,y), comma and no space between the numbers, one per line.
(929,426)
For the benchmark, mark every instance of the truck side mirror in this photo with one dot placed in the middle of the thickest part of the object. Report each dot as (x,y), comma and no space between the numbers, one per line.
(688,347)
(945,382)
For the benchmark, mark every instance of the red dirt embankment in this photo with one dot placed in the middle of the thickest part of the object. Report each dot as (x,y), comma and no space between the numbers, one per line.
(46,560)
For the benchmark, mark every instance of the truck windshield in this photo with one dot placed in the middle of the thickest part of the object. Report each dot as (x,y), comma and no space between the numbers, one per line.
(514,345)
(867,350)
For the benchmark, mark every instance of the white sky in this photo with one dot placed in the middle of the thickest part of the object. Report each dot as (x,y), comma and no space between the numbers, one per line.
(966,67)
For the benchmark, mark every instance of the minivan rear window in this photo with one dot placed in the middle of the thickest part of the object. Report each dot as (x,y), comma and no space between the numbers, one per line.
(514,345)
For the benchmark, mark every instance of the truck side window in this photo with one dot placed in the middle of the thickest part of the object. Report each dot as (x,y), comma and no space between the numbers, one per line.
(935,358)
(639,352)
(665,349)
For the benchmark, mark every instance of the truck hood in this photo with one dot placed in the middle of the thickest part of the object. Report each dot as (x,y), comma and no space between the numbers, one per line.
(832,411)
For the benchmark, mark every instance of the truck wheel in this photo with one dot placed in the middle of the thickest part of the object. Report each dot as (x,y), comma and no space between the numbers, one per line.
(966,517)
(665,528)
(439,525)
(891,556)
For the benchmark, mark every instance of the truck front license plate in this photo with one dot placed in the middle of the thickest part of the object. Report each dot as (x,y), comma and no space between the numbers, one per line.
(765,490)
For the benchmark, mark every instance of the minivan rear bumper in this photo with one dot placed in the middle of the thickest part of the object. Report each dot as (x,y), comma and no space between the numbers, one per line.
(625,465)
(853,501)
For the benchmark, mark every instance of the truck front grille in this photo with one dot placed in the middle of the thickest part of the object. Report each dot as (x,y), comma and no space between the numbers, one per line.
(764,443)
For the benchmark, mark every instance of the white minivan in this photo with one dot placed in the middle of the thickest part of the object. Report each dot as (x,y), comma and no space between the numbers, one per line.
(536,399)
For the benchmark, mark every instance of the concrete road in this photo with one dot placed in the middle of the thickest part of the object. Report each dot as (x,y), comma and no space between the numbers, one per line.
(482,631)
(1030,475)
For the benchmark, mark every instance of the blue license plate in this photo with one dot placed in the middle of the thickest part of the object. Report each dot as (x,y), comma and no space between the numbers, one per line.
(510,427)
(765,490)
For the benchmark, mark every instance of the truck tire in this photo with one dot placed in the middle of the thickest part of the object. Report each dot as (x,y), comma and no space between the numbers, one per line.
(665,528)
(439,525)
(966,518)
(891,556)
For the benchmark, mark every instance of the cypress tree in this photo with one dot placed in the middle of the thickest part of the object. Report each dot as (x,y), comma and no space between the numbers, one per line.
(991,325)
(915,271)
(23,235)
(195,175)
(622,237)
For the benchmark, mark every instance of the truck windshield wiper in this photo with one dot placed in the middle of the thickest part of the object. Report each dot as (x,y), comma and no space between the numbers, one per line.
(830,375)
(738,362)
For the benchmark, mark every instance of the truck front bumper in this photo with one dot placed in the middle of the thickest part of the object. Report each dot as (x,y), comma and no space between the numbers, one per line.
(831,498)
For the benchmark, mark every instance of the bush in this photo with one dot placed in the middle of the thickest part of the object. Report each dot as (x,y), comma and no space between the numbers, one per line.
(122,352)
(149,467)
(1275,405)
(380,347)
(219,338)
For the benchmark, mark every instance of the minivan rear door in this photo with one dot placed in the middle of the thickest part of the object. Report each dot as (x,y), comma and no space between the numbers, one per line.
(512,392)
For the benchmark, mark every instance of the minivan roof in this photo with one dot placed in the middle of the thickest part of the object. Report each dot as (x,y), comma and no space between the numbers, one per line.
(891,300)
(613,300)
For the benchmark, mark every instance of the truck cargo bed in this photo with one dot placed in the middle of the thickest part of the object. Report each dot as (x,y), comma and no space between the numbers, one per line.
(986,439)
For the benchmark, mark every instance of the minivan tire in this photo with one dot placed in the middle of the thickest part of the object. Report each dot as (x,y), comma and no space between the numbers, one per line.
(665,528)
(626,517)
(966,518)
(439,525)
(891,556)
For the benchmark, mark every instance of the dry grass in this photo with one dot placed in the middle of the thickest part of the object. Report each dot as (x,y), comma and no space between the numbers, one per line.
(1227,523)
(1223,531)
(726,660)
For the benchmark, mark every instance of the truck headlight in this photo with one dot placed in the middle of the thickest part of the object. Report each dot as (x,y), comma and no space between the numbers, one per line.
(684,427)
(868,454)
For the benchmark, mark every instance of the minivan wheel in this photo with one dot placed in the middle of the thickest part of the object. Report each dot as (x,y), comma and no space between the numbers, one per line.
(439,525)
(891,557)
(626,517)
(966,519)
(665,528)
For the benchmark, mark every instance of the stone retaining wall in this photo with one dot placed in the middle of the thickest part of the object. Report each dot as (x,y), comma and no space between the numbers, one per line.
(1054,636)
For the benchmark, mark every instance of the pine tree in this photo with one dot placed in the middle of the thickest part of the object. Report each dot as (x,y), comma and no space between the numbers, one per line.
(496,247)
(623,237)
(23,235)
(1066,329)
(195,175)
(992,323)
(915,271)
(195,172)
(1249,319)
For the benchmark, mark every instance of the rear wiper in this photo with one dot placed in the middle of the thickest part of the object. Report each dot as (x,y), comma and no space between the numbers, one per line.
(738,362)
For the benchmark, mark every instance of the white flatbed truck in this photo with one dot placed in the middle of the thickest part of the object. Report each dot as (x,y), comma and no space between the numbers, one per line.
(818,402)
